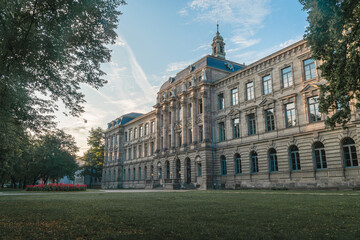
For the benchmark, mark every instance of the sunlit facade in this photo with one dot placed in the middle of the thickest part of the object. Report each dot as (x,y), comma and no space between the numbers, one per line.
(221,124)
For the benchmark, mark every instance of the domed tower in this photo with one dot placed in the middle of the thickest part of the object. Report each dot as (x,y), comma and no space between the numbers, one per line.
(218,45)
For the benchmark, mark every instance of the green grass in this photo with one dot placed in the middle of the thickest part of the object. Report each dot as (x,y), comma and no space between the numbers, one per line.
(182,215)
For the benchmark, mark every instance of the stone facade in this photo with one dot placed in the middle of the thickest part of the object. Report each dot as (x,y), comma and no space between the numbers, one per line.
(220,124)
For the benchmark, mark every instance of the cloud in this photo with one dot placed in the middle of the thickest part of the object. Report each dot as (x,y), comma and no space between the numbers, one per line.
(252,56)
(128,90)
(205,46)
(183,12)
(247,17)
(177,66)
(119,42)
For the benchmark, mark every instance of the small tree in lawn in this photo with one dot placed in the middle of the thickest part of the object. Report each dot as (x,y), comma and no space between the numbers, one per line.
(94,157)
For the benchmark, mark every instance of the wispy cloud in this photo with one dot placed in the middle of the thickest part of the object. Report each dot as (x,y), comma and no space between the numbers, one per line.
(252,56)
(204,46)
(177,66)
(247,16)
(128,90)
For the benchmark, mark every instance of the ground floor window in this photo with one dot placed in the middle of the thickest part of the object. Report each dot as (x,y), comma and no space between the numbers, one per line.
(294,158)
(254,162)
(349,153)
(273,163)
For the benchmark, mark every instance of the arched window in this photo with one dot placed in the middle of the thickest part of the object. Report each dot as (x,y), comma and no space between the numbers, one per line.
(152,172)
(139,177)
(223,165)
(294,158)
(124,177)
(134,174)
(237,162)
(319,156)
(145,173)
(349,153)
(178,175)
(129,174)
(167,164)
(109,176)
(273,163)
(114,176)
(254,162)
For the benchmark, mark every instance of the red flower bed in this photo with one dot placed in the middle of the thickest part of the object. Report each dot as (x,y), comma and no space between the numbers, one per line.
(56,187)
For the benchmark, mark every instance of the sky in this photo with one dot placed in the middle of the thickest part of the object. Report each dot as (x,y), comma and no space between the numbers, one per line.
(158,38)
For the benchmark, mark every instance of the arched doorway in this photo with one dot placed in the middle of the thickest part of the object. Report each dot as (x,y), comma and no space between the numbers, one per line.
(188,170)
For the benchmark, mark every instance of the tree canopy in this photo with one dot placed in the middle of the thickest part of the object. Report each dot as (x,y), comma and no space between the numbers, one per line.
(94,157)
(47,50)
(333,35)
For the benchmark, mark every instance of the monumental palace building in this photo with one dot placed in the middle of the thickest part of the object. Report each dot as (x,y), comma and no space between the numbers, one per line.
(219,124)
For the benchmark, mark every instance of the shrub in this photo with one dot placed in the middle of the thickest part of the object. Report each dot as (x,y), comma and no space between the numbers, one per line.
(56,187)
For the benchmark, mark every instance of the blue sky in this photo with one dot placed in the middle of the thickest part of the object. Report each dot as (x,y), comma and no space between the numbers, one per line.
(158,38)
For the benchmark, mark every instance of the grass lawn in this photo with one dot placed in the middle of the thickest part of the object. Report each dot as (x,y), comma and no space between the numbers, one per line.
(182,215)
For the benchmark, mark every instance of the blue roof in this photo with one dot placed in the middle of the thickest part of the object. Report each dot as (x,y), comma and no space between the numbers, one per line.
(124,119)
(223,64)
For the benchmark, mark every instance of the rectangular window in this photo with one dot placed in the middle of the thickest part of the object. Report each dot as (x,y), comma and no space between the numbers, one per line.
(221,101)
(287,80)
(152,148)
(130,135)
(145,150)
(129,153)
(309,68)
(190,136)
(269,120)
(169,139)
(234,96)
(290,115)
(249,91)
(200,106)
(134,153)
(140,151)
(141,131)
(251,124)
(125,136)
(201,134)
(147,129)
(152,127)
(221,131)
(135,133)
(125,154)
(267,87)
(139,177)
(199,170)
(236,127)
(314,114)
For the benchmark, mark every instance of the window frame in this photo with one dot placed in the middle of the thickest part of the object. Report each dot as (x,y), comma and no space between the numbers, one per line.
(297,166)
(312,75)
(254,163)
(289,77)
(315,106)
(250,91)
(320,152)
(271,120)
(266,84)
(234,96)
(293,115)
(273,161)
(251,124)
(223,168)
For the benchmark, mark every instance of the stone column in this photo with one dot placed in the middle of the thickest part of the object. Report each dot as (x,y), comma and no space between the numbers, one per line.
(193,119)
(164,127)
(184,117)
(173,119)
(206,116)
(157,131)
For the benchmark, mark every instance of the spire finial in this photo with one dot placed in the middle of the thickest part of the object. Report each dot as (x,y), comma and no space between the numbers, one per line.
(217,26)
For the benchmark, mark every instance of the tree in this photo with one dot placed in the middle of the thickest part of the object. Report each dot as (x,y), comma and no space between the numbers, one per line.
(55,155)
(47,50)
(94,157)
(333,35)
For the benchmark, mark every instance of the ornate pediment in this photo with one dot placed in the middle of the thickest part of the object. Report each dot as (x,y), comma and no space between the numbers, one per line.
(233,112)
(266,101)
(309,88)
